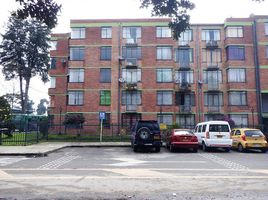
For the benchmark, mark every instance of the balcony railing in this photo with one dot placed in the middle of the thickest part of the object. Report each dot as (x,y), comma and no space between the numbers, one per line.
(212,65)
(131,108)
(131,42)
(131,62)
(183,43)
(185,108)
(131,86)
(184,86)
(214,109)
(211,44)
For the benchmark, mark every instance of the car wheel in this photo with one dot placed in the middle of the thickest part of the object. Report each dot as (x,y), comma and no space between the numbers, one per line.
(241,148)
(227,149)
(195,150)
(144,133)
(264,150)
(157,149)
(135,148)
(204,147)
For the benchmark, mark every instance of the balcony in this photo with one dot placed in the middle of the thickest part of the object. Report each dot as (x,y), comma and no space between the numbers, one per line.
(185,108)
(131,86)
(214,109)
(183,66)
(131,62)
(212,66)
(131,42)
(213,85)
(184,86)
(131,108)
(211,44)
(183,44)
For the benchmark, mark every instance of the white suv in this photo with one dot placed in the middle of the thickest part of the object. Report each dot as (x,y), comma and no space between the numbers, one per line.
(214,134)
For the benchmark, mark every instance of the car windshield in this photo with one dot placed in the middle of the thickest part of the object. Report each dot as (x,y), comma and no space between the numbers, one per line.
(250,133)
(153,126)
(183,132)
(219,128)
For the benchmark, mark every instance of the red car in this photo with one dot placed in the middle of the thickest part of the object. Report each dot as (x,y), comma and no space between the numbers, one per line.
(181,138)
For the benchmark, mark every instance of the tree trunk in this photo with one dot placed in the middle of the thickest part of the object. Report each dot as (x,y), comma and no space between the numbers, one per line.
(22,103)
(27,85)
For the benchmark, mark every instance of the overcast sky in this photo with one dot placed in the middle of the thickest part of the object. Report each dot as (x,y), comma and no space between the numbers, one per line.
(206,11)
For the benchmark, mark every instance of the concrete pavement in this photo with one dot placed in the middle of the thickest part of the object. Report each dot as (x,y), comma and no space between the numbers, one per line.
(42,149)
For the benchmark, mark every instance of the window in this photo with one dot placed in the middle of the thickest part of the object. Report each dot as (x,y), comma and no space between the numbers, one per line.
(266,28)
(105,97)
(186,121)
(235,53)
(186,36)
(75,98)
(106,32)
(131,75)
(165,119)
(234,31)
(213,99)
(211,35)
(164,53)
(164,98)
(52,82)
(131,98)
(212,76)
(213,117)
(77,53)
(105,75)
(211,56)
(182,98)
(132,52)
(53,45)
(240,120)
(184,56)
(78,33)
(238,98)
(236,75)
(164,75)
(163,32)
(106,53)
(76,75)
(131,32)
(184,76)
(53,62)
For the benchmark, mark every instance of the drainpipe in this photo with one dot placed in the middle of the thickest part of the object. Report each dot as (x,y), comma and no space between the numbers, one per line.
(199,82)
(257,71)
(119,74)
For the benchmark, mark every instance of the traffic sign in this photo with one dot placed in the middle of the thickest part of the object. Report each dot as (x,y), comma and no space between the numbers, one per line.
(102,115)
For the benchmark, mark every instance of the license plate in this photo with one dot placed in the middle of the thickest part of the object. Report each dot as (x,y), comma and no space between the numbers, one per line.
(156,137)
(219,136)
(256,145)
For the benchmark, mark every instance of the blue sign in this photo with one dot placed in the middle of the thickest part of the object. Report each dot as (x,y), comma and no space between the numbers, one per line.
(102,115)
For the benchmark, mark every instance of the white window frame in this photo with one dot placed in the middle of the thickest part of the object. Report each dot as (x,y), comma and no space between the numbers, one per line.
(164,53)
(78,33)
(234,32)
(53,45)
(236,75)
(52,82)
(164,75)
(106,32)
(75,98)
(131,75)
(189,75)
(76,75)
(164,97)
(206,35)
(237,98)
(165,119)
(127,32)
(163,32)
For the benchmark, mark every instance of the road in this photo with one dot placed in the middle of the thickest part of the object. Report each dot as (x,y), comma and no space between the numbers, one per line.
(119,173)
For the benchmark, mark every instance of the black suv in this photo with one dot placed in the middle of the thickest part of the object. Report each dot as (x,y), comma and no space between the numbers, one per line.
(146,133)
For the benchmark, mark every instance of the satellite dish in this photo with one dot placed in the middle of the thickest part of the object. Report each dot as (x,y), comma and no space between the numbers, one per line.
(121,80)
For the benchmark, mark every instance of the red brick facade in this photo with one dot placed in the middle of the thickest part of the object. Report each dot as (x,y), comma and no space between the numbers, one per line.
(251,108)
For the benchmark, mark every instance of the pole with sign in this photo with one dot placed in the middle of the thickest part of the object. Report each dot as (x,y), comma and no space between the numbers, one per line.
(102,117)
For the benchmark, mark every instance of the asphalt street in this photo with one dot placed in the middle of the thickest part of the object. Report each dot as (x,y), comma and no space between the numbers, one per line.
(119,173)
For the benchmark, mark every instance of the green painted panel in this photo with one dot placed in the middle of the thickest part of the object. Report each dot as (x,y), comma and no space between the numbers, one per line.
(238,24)
(264,91)
(264,67)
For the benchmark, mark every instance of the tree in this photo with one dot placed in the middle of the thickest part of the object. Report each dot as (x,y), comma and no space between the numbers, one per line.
(24,53)
(45,11)
(176,9)
(5,110)
(41,108)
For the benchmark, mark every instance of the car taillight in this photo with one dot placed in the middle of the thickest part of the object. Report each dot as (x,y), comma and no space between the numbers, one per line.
(207,134)
(243,137)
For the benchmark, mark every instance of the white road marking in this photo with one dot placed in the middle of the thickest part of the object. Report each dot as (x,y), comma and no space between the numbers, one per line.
(9,161)
(224,162)
(4,175)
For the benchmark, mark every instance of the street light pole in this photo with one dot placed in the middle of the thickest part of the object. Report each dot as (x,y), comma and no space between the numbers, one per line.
(252,112)
(60,120)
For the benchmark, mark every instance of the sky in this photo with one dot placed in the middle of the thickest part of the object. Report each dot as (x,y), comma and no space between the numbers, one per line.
(206,11)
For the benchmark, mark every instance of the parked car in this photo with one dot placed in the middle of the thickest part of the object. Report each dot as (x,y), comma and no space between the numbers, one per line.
(181,138)
(146,133)
(215,134)
(247,138)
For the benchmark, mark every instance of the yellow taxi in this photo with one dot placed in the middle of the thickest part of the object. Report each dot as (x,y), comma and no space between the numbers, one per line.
(248,138)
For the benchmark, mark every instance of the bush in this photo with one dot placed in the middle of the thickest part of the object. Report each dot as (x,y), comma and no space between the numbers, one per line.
(74,119)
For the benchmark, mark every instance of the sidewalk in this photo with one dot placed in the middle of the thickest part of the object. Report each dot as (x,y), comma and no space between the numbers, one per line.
(43,149)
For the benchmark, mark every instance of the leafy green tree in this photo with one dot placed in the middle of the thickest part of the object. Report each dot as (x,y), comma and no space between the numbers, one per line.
(5,110)
(45,11)
(41,108)
(24,53)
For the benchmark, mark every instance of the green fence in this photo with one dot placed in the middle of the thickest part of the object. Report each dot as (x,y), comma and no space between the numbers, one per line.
(20,138)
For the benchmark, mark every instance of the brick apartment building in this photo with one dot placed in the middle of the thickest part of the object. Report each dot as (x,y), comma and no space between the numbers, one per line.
(133,69)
